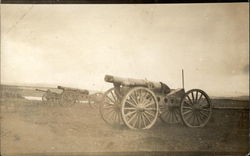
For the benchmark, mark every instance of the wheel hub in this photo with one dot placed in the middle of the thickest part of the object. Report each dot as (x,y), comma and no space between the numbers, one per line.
(196,106)
(117,106)
(140,108)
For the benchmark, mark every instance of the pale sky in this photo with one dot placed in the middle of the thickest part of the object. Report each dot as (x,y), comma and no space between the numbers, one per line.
(76,45)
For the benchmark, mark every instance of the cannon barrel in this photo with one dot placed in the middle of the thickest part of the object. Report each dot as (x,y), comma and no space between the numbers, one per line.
(132,82)
(83,91)
(40,90)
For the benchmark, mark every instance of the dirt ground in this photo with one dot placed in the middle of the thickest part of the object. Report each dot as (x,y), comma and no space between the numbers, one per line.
(32,127)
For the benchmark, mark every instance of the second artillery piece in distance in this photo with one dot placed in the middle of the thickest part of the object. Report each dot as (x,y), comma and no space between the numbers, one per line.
(70,96)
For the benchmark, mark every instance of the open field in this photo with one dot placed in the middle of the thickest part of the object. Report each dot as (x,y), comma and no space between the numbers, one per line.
(29,126)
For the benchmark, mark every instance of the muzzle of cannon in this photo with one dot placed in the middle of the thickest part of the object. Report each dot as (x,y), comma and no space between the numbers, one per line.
(137,83)
(82,91)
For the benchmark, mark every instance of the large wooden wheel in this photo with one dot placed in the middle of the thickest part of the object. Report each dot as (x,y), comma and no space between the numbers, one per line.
(170,111)
(139,108)
(196,108)
(68,99)
(110,108)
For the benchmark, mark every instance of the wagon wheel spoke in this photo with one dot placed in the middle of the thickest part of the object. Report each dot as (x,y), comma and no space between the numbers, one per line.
(140,96)
(149,104)
(133,99)
(147,100)
(144,97)
(187,103)
(143,120)
(196,117)
(196,96)
(111,100)
(108,107)
(110,115)
(188,118)
(137,125)
(200,118)
(206,115)
(184,107)
(198,101)
(150,109)
(108,103)
(165,116)
(114,97)
(108,110)
(152,115)
(203,115)
(131,104)
(130,108)
(132,118)
(191,102)
(187,112)
(146,117)
(130,113)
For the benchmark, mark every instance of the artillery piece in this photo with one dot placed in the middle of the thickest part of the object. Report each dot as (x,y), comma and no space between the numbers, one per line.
(70,96)
(49,97)
(137,103)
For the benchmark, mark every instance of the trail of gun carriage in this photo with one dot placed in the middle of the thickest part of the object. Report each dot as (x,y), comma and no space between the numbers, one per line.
(133,115)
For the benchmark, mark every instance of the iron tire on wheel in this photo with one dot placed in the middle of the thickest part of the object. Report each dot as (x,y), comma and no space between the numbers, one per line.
(110,109)
(140,108)
(196,106)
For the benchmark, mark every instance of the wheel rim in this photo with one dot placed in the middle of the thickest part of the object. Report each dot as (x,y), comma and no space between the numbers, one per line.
(139,108)
(168,113)
(110,109)
(196,108)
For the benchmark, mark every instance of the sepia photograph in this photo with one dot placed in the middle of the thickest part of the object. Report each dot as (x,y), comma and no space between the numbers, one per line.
(125,79)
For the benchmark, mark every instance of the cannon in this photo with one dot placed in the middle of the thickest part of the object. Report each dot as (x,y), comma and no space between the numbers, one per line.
(137,103)
(70,96)
(49,97)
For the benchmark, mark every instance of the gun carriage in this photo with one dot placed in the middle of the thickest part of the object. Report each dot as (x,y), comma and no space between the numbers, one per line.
(138,103)
(70,96)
